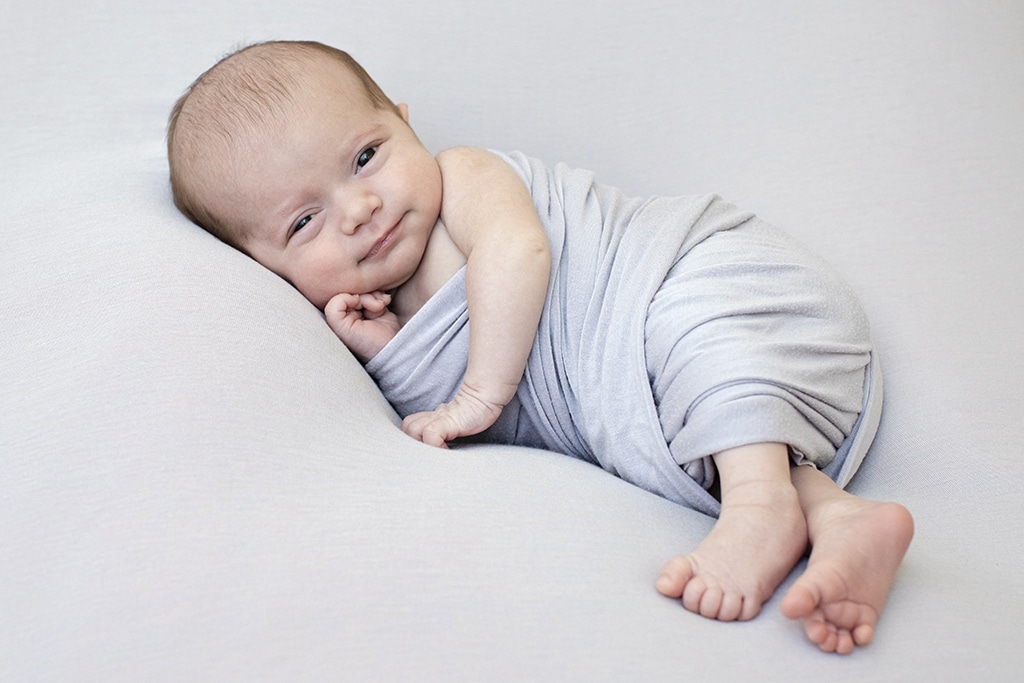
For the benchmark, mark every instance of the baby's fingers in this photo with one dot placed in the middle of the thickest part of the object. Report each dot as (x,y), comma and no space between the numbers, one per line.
(374,302)
(340,304)
(428,428)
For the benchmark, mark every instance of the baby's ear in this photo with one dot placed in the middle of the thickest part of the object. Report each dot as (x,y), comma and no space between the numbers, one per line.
(403,110)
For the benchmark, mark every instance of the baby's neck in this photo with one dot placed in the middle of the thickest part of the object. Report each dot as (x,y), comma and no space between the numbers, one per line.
(441,260)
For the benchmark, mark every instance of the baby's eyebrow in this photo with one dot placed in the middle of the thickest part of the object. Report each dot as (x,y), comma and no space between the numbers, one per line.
(354,144)
(283,215)
(273,229)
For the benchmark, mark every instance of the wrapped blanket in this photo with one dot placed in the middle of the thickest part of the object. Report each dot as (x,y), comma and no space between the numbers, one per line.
(673,328)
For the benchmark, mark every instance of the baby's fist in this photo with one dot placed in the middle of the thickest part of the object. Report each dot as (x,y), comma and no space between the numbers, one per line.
(466,415)
(362,321)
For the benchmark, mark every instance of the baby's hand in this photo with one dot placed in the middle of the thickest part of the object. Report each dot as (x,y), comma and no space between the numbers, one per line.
(468,413)
(363,322)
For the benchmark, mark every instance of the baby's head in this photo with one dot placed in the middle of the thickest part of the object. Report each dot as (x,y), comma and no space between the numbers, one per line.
(292,154)
(230,108)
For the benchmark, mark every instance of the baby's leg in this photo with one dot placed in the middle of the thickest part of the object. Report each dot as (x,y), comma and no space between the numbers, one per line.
(758,538)
(856,548)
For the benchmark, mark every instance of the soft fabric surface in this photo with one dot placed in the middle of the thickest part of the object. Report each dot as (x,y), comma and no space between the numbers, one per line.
(200,483)
(672,329)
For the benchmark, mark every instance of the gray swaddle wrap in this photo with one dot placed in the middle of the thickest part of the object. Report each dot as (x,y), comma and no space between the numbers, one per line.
(673,328)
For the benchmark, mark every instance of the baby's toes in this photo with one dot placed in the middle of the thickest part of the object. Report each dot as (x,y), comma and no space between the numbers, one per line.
(853,617)
(703,599)
(844,644)
(827,636)
(674,576)
(732,608)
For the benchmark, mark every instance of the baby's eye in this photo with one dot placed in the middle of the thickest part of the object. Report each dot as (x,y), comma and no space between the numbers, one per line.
(365,157)
(303,222)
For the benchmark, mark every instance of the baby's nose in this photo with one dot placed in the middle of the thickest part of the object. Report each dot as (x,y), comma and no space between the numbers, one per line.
(360,212)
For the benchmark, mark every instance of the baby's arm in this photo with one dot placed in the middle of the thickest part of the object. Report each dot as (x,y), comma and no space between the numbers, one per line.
(489,214)
(362,321)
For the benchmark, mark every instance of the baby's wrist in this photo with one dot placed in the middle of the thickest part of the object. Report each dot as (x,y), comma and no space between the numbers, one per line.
(493,395)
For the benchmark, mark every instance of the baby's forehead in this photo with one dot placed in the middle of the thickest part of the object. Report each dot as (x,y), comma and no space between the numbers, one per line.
(249,93)
(238,107)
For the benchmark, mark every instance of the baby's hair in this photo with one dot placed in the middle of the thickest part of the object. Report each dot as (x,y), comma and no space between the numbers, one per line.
(241,93)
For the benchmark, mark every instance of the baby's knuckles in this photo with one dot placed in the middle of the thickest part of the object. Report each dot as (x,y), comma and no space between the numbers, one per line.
(465,415)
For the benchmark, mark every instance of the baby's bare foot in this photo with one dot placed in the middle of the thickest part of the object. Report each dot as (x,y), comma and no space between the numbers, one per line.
(857,546)
(758,538)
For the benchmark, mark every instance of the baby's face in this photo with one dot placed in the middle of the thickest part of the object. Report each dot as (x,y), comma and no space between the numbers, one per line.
(340,197)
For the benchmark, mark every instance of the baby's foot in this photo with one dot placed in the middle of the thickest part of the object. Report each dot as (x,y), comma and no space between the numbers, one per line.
(857,546)
(758,538)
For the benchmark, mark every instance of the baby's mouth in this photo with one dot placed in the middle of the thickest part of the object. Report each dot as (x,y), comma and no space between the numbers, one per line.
(383,243)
